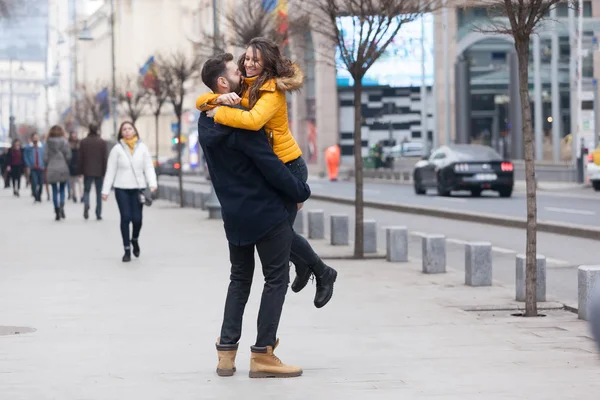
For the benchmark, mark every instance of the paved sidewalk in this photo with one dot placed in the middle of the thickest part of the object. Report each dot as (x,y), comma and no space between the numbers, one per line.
(146,330)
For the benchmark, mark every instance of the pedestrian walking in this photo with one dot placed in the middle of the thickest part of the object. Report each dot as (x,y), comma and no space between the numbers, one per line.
(57,158)
(130,171)
(34,162)
(256,192)
(91,163)
(74,181)
(4,167)
(16,165)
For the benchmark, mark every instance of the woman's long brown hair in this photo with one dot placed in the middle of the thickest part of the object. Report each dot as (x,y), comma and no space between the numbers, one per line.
(275,65)
(56,131)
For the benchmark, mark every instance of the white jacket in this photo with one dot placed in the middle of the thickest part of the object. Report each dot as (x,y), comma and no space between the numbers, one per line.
(119,171)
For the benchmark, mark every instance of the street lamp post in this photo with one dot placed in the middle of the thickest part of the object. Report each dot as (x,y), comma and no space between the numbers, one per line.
(114,67)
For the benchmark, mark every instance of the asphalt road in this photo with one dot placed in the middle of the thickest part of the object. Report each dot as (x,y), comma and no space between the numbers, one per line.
(564,254)
(579,206)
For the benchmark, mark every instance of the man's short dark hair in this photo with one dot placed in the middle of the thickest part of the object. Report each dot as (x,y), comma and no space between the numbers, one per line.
(93,129)
(214,68)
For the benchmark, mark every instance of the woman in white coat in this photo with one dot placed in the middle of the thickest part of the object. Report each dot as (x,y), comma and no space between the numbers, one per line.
(129,170)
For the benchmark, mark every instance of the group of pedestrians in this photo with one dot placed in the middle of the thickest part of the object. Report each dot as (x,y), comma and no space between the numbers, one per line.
(259,176)
(61,162)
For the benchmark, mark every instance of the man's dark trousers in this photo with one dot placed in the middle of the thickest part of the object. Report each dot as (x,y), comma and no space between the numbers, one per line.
(87,188)
(37,182)
(274,253)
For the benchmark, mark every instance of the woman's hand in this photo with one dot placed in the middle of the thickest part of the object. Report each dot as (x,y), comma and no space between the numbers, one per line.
(153,189)
(229,99)
(104,197)
(300,205)
(211,113)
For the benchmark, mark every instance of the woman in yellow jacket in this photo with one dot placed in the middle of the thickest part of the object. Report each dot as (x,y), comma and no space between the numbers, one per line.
(267,75)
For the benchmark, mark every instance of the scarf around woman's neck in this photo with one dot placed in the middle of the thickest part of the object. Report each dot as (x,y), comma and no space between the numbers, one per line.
(131,143)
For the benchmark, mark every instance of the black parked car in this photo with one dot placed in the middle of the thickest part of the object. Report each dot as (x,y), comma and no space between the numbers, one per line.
(464,167)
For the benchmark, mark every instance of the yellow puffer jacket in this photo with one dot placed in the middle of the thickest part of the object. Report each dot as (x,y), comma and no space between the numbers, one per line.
(270,112)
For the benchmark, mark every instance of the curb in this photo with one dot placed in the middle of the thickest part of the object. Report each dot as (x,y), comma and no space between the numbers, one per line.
(508,222)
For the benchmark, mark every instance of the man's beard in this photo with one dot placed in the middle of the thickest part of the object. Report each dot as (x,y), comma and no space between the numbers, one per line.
(236,87)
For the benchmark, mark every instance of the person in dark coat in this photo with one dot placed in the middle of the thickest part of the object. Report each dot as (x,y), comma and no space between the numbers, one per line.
(74,182)
(15,165)
(256,191)
(91,163)
(56,158)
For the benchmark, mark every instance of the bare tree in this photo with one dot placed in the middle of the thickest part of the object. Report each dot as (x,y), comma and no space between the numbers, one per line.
(156,87)
(6,7)
(180,72)
(133,96)
(519,19)
(93,104)
(375,23)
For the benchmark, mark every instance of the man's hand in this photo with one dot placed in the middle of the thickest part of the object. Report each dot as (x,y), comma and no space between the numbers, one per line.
(104,197)
(300,205)
(211,113)
(229,99)
(153,189)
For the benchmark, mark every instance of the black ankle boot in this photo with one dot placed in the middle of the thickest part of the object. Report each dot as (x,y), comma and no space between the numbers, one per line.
(136,247)
(303,274)
(325,283)
(62,212)
(127,256)
(57,212)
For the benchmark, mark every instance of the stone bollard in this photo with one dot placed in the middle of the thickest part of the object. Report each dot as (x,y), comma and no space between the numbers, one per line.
(434,254)
(588,277)
(316,224)
(199,200)
(520,281)
(299,222)
(161,192)
(339,230)
(478,264)
(396,238)
(174,194)
(213,205)
(370,236)
(188,198)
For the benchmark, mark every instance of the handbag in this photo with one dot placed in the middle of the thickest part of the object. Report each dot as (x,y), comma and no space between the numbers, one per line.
(144,195)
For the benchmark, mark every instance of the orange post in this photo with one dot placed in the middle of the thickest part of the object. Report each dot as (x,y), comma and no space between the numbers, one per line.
(332,157)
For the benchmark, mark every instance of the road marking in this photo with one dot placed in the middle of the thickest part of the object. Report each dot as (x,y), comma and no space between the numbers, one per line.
(569,211)
(371,191)
(451,199)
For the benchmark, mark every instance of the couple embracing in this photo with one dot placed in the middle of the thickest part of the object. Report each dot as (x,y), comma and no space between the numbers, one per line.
(259,176)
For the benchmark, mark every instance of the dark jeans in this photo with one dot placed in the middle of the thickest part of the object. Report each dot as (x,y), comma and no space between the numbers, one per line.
(274,253)
(87,188)
(37,182)
(131,213)
(58,189)
(15,174)
(302,252)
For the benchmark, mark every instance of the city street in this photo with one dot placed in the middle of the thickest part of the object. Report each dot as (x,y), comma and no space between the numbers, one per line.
(564,253)
(577,206)
(146,330)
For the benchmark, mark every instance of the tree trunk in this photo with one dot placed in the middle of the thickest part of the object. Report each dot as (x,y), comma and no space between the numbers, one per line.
(180,172)
(358,172)
(522,47)
(156,119)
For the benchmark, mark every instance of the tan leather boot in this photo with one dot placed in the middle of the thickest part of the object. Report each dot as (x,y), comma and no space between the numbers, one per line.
(226,353)
(265,364)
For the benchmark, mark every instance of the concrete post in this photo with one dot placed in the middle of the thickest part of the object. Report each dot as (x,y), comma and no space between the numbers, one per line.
(340,230)
(396,244)
(188,198)
(316,224)
(213,205)
(434,254)
(520,281)
(588,283)
(478,264)
(199,200)
(370,236)
(463,101)
(299,222)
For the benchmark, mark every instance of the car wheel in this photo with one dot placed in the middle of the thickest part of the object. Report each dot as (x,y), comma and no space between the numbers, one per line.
(505,192)
(596,185)
(476,192)
(441,190)
(419,190)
